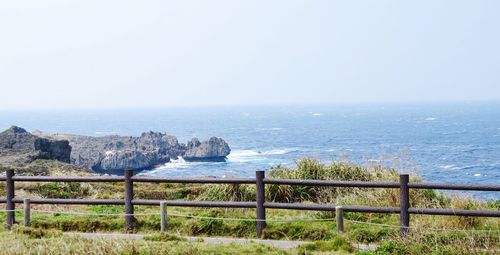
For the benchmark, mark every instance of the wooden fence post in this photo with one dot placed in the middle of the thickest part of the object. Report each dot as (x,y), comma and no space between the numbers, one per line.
(339,215)
(129,195)
(261,197)
(27,212)
(10,206)
(404,203)
(163,216)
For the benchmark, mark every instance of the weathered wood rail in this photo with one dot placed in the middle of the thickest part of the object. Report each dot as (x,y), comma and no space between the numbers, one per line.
(404,210)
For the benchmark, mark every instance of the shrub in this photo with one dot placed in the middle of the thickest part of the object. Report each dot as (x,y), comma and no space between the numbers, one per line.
(63,190)
(370,234)
(297,231)
(36,232)
(229,192)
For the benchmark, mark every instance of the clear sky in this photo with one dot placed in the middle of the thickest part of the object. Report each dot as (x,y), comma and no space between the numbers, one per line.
(100,54)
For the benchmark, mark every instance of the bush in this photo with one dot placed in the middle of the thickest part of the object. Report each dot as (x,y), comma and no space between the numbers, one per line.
(370,234)
(36,232)
(229,192)
(63,190)
(297,231)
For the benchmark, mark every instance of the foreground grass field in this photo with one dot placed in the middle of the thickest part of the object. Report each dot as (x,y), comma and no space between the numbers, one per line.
(31,241)
(429,235)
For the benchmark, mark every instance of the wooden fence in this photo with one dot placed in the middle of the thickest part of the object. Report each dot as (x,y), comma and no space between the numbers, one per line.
(404,210)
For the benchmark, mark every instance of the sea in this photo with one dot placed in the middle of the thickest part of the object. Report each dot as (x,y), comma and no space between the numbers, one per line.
(452,142)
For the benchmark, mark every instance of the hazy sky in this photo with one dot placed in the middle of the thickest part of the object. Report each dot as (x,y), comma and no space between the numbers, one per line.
(92,54)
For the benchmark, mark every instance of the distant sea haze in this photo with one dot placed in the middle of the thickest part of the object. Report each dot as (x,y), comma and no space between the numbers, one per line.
(444,142)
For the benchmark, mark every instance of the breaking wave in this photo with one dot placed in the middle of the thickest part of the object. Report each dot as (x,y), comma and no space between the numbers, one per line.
(178,163)
(252,155)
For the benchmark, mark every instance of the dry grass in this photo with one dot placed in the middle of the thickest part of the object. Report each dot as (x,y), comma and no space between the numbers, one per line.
(424,239)
(24,243)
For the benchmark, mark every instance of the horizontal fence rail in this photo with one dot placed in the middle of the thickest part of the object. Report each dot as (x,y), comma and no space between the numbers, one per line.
(194,180)
(68,179)
(327,183)
(319,207)
(404,210)
(454,186)
(431,211)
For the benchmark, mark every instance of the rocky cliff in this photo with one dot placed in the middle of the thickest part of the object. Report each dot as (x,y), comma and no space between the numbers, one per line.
(215,149)
(115,153)
(19,147)
(108,154)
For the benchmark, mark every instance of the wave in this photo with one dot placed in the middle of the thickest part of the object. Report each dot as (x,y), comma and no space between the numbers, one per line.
(243,156)
(269,129)
(175,163)
(253,153)
(449,167)
(279,151)
(430,118)
(243,153)
(182,167)
(455,167)
(470,167)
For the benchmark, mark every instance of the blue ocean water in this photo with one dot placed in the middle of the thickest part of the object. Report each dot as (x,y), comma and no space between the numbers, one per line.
(444,142)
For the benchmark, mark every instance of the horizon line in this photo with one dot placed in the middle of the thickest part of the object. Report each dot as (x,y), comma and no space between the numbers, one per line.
(304,104)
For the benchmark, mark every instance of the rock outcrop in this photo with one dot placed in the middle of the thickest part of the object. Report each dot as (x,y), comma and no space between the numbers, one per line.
(215,149)
(107,154)
(114,153)
(19,147)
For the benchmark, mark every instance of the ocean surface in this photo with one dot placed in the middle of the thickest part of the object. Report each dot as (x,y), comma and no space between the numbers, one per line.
(443,142)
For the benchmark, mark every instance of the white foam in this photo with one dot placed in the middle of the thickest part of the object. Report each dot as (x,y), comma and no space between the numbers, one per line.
(242,156)
(269,129)
(448,166)
(277,151)
(252,153)
(430,118)
(477,175)
(243,153)
(316,114)
(175,164)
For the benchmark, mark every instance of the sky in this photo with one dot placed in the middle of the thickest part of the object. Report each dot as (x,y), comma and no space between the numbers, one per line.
(132,54)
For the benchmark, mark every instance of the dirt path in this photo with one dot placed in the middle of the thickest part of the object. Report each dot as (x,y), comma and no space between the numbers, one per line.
(282,244)
(212,240)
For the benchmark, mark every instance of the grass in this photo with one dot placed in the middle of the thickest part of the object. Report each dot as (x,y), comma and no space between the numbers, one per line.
(338,244)
(423,240)
(24,242)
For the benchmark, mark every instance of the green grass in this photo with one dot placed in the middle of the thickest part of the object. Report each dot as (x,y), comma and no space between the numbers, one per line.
(25,242)
(338,244)
(421,241)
